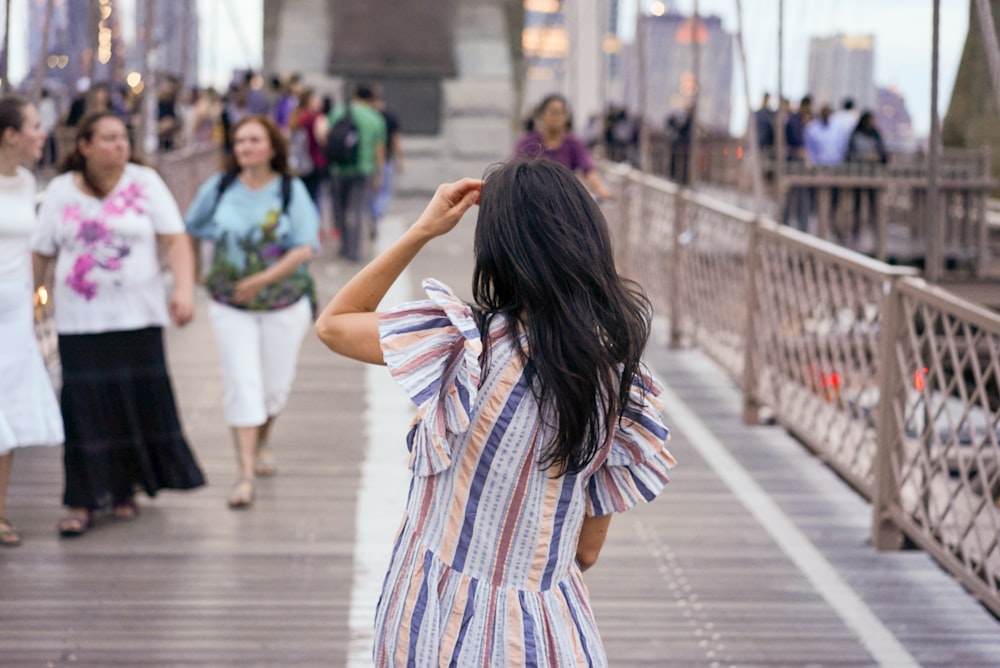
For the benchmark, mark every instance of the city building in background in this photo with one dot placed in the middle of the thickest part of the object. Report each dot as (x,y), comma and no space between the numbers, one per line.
(670,41)
(572,49)
(840,67)
(893,120)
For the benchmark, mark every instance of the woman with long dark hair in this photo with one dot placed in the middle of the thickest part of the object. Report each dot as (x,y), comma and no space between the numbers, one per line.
(104,222)
(535,421)
(865,148)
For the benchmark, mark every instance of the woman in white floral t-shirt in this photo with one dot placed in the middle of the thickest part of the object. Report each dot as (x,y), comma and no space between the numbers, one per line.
(102,222)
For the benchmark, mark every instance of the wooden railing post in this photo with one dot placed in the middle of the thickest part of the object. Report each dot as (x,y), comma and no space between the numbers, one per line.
(888,435)
(676,269)
(824,196)
(880,214)
(751,392)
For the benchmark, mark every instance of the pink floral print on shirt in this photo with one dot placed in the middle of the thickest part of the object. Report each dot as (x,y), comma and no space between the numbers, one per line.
(97,245)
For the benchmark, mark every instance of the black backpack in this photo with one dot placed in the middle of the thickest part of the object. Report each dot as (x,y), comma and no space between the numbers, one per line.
(342,142)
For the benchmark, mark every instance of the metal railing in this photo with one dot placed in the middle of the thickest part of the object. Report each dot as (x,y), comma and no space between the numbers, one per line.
(895,384)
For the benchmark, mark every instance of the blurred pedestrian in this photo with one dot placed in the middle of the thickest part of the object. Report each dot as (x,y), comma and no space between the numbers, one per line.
(550,137)
(844,121)
(391,168)
(352,183)
(266,230)
(799,198)
(824,148)
(822,140)
(48,116)
(865,147)
(535,421)
(102,223)
(92,98)
(763,120)
(306,157)
(168,115)
(29,412)
(680,131)
(621,136)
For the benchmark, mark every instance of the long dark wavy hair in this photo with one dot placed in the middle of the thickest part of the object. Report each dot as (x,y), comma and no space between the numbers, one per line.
(544,260)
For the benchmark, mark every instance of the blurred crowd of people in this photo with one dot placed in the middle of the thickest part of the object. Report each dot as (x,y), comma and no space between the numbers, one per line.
(825,138)
(96,244)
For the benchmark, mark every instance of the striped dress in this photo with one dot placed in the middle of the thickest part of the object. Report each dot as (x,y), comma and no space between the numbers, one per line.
(483,570)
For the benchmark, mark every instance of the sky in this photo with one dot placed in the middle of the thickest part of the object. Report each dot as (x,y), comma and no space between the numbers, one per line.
(232,35)
(902,30)
(231,38)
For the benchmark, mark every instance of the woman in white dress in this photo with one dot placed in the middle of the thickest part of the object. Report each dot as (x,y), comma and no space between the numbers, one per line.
(29,412)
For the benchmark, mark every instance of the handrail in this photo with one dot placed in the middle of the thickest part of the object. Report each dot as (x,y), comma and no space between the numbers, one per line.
(894,383)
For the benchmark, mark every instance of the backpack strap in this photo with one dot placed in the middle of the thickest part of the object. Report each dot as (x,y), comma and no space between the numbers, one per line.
(286,192)
(228,179)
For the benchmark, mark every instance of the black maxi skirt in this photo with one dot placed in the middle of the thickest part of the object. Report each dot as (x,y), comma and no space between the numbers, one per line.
(122,429)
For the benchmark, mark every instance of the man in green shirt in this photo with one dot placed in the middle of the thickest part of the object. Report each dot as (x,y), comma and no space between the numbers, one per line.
(352,185)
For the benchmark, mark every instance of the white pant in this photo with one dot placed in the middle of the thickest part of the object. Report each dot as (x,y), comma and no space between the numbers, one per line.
(259,350)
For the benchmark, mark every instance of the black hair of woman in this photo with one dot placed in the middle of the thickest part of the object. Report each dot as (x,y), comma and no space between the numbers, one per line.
(544,260)
(12,112)
(866,123)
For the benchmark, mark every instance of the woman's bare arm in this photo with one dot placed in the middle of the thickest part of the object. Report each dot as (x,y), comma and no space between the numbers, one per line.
(592,535)
(40,265)
(180,259)
(349,325)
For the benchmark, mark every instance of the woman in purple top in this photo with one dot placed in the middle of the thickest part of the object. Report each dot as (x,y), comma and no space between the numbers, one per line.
(551,138)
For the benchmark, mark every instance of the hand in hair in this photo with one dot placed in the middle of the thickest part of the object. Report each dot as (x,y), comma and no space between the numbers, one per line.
(446,208)
(349,325)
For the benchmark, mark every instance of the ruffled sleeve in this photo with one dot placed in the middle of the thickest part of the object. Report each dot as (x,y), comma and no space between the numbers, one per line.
(637,464)
(432,350)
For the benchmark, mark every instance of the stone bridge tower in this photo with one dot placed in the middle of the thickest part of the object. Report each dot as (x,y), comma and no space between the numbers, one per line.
(973,119)
(444,67)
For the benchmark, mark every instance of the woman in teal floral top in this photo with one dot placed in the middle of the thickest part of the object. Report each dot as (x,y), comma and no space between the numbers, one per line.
(266,229)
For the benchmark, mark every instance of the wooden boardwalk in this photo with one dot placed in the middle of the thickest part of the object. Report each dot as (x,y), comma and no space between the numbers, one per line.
(755,555)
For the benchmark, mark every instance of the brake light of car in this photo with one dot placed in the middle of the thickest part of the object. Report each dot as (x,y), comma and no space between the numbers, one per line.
(918,379)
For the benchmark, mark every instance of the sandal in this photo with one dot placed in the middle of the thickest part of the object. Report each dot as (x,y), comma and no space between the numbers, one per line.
(242,494)
(74,525)
(127,510)
(263,464)
(9,537)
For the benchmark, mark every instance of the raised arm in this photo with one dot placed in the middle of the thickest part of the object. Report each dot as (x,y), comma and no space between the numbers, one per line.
(349,324)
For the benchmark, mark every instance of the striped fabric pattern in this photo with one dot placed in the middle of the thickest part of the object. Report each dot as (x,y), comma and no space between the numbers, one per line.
(483,570)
